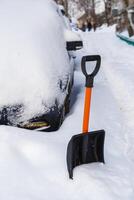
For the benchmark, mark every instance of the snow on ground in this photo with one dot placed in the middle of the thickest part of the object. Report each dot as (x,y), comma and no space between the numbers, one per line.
(33,164)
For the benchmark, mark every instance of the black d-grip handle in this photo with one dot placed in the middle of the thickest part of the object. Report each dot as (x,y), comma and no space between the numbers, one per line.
(90,77)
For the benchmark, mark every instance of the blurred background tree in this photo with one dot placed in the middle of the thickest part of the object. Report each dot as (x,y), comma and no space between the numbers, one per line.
(99,12)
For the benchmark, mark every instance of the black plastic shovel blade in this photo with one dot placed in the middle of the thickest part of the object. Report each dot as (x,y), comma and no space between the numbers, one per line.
(85,148)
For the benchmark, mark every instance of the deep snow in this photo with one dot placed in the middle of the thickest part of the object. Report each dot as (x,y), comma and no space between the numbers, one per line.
(33,164)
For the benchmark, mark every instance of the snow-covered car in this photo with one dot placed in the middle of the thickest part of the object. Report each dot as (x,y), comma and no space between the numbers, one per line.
(36,70)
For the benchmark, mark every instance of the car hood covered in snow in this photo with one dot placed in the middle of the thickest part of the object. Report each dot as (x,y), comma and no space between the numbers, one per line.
(33,57)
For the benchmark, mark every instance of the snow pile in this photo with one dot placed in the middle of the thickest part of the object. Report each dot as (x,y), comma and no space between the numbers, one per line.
(71,36)
(32,54)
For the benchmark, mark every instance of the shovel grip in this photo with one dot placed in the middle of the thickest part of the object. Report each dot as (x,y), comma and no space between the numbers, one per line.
(90,77)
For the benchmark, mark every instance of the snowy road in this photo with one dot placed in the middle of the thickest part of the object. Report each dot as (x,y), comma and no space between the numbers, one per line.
(33,164)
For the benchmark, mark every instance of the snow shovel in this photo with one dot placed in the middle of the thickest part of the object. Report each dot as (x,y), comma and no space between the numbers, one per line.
(87,147)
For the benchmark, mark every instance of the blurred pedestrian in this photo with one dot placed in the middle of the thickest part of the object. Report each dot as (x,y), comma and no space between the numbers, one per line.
(93,23)
(83,28)
(89,26)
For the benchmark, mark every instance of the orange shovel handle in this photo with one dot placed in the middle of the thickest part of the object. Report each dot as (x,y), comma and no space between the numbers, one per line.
(86,116)
(89,85)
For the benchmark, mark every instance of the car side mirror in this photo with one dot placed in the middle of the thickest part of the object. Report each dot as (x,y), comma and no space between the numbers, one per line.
(74,45)
(73,40)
